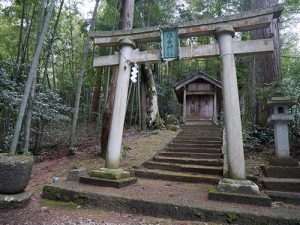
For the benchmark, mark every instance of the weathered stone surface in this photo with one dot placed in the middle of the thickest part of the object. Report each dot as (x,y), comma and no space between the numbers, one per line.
(288,197)
(124,204)
(15,173)
(259,199)
(238,186)
(14,200)
(288,162)
(281,171)
(110,174)
(73,175)
(108,183)
(282,184)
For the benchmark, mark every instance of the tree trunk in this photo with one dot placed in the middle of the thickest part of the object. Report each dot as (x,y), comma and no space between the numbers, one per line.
(31,77)
(96,95)
(50,46)
(149,96)
(126,23)
(32,91)
(80,81)
(264,68)
(143,98)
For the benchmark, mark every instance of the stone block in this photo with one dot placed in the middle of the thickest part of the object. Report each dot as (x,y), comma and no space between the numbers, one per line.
(73,175)
(281,171)
(120,183)
(238,186)
(9,201)
(290,162)
(15,173)
(259,199)
(110,174)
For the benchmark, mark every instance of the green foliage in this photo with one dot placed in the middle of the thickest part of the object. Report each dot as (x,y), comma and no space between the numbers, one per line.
(157,124)
(171,120)
(254,135)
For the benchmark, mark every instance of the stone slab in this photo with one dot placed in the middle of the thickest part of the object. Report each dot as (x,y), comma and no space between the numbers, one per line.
(238,186)
(260,199)
(281,171)
(158,204)
(108,183)
(288,162)
(9,201)
(110,174)
(282,184)
(287,197)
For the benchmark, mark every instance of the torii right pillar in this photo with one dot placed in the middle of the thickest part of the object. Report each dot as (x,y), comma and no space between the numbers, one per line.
(236,188)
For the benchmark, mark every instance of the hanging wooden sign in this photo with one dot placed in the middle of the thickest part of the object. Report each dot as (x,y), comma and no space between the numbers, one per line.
(169,43)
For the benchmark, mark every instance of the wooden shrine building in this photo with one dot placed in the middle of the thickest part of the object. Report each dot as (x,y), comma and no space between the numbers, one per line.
(201,98)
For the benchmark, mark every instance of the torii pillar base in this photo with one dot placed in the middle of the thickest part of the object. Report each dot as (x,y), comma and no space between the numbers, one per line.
(116,178)
(239,191)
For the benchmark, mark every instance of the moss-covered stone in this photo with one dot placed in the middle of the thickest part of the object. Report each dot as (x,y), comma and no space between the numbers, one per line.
(110,174)
(260,199)
(15,173)
(8,201)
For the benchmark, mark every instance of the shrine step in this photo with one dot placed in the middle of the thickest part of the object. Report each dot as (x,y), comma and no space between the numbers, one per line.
(281,171)
(194,140)
(176,176)
(212,170)
(203,162)
(283,196)
(193,150)
(191,155)
(191,145)
(204,141)
(199,136)
(198,133)
(282,184)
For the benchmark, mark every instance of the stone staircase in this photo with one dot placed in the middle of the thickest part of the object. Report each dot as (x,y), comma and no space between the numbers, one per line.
(195,156)
(282,183)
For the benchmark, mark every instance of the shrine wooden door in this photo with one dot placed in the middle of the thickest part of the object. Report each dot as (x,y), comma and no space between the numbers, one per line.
(200,107)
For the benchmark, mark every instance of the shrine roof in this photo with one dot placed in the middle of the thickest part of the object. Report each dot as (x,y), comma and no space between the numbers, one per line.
(179,89)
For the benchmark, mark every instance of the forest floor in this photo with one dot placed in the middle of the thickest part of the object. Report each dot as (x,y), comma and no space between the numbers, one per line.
(139,146)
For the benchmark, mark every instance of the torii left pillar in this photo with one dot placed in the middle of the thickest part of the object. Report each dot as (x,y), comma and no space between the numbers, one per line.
(112,175)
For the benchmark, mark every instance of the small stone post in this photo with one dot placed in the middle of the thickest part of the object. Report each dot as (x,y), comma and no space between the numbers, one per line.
(233,125)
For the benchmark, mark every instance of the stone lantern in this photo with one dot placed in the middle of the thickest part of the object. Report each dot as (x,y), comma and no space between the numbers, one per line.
(280,118)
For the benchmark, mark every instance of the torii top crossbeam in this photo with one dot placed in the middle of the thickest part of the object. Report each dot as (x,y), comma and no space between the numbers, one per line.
(245,21)
(250,20)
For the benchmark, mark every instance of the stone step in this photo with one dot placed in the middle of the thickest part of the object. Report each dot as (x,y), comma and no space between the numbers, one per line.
(287,197)
(191,155)
(282,184)
(198,138)
(193,140)
(281,171)
(192,145)
(203,140)
(213,170)
(193,150)
(203,162)
(176,176)
(196,132)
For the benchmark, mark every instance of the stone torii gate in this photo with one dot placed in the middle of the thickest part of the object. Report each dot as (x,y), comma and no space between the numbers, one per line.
(223,28)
